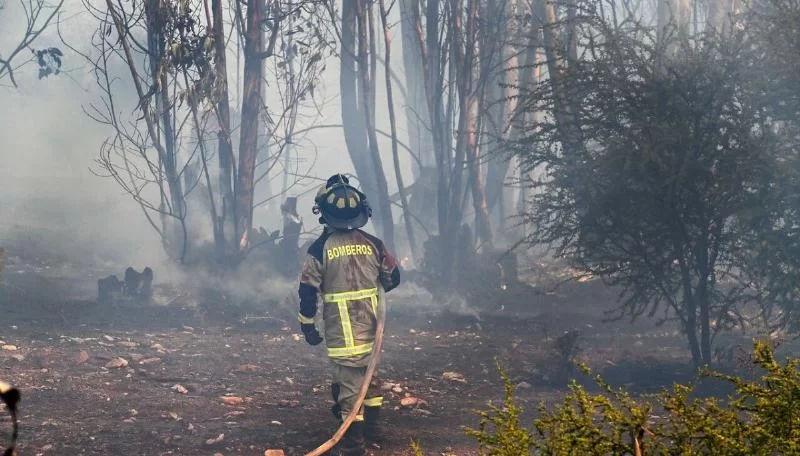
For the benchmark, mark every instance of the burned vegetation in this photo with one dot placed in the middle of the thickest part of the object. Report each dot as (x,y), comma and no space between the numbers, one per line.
(137,286)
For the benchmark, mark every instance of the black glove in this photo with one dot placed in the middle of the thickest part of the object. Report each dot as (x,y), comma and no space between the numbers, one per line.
(311,333)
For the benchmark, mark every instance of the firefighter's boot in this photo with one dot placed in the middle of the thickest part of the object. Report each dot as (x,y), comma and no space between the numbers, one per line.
(352,444)
(372,429)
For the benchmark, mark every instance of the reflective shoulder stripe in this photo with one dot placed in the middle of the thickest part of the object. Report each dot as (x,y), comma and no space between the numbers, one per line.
(344,352)
(376,401)
(304,320)
(350,295)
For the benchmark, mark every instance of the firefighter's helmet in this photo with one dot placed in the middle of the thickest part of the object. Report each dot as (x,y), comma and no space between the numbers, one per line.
(340,205)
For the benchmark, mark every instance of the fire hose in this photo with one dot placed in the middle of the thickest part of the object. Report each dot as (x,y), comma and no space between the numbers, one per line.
(10,397)
(362,393)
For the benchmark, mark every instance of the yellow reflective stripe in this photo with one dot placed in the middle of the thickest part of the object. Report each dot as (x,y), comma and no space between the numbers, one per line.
(373,401)
(359,418)
(341,352)
(341,300)
(347,328)
(303,319)
(349,295)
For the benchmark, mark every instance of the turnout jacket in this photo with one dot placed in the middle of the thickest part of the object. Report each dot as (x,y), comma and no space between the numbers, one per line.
(346,269)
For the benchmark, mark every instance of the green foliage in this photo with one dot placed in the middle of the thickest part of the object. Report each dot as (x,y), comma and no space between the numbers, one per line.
(762,417)
(416,449)
(500,432)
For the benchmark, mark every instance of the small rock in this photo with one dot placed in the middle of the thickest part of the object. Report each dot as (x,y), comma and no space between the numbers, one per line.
(82,357)
(117,363)
(454,377)
(150,361)
(412,401)
(232,400)
(18,357)
(218,439)
(180,388)
(247,368)
(108,338)
(128,344)
(9,347)
(274,453)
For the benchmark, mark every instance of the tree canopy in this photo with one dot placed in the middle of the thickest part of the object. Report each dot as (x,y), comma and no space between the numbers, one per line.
(679,187)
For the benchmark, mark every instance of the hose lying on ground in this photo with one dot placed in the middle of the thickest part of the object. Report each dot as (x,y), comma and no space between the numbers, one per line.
(362,393)
(10,396)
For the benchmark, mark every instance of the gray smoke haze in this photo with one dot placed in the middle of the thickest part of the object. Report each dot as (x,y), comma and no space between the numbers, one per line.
(51,199)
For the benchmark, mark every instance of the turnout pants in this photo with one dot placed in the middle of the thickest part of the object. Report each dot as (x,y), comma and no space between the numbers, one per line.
(347,380)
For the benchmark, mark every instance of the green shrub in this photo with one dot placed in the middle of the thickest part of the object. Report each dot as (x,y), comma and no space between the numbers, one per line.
(762,417)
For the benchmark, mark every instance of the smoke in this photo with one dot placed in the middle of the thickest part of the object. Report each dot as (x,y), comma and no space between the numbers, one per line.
(52,203)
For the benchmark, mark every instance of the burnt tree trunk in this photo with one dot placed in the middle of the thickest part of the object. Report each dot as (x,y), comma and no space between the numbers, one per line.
(493,54)
(224,144)
(251,105)
(387,38)
(416,110)
(367,65)
(358,107)
(166,133)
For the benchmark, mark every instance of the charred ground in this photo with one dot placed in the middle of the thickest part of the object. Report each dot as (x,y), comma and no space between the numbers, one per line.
(180,377)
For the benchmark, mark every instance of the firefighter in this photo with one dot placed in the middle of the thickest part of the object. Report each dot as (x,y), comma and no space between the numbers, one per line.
(346,267)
